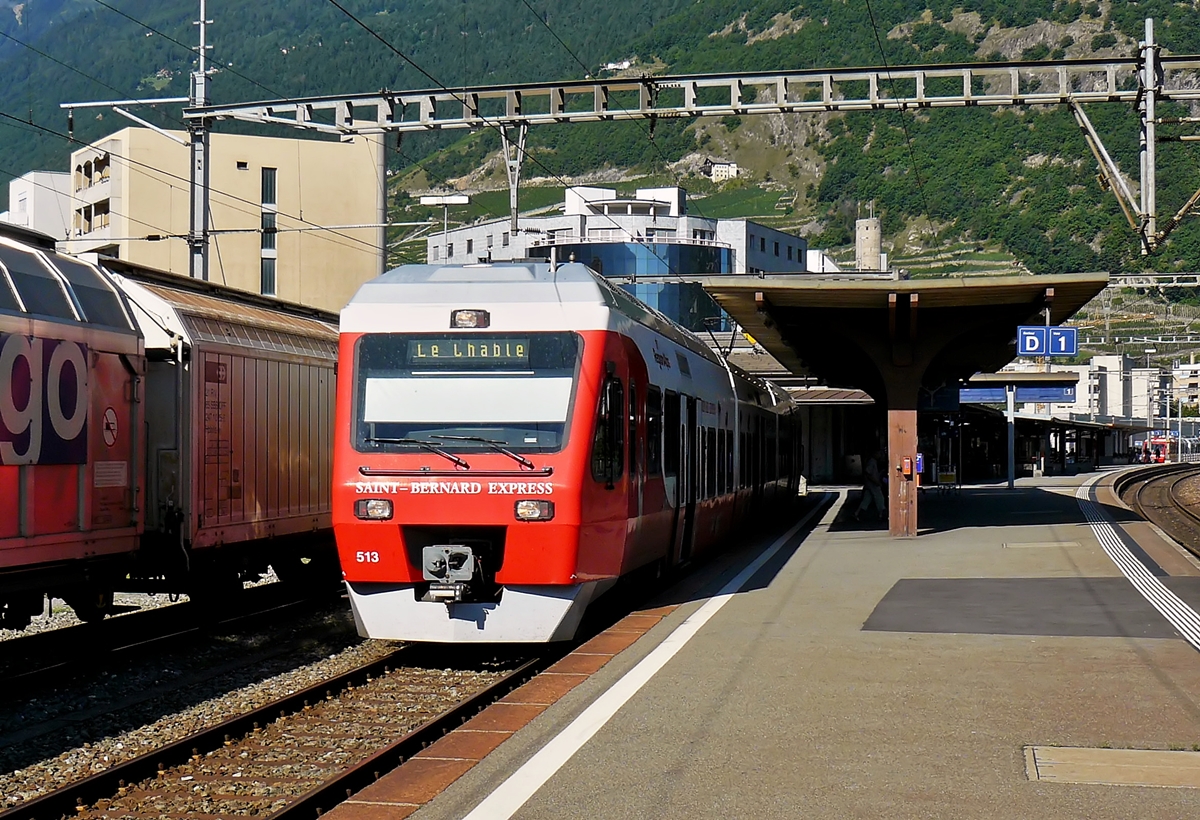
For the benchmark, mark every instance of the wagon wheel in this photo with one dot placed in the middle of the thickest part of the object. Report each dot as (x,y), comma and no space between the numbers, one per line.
(319,568)
(90,605)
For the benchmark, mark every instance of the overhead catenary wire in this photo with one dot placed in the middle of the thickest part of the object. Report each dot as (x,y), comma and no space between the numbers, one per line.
(587,71)
(185,46)
(192,50)
(257,206)
(912,156)
(163,233)
(487,123)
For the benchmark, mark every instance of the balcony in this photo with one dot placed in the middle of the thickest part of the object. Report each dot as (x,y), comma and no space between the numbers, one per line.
(574,239)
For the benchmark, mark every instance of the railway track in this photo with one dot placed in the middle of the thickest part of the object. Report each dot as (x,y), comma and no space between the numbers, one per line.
(1167,496)
(34,662)
(301,752)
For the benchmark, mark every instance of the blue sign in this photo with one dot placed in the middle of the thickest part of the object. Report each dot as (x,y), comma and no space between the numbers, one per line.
(1063,341)
(1047,395)
(1036,340)
(1056,394)
(982,395)
(920,467)
(1032,341)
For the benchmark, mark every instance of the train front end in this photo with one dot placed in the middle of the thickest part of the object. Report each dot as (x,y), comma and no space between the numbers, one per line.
(462,396)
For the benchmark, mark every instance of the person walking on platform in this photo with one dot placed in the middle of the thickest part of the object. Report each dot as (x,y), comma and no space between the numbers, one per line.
(872,488)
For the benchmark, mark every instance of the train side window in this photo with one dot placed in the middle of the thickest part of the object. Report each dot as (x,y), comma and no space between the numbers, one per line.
(8,299)
(721,483)
(633,436)
(710,480)
(39,289)
(98,299)
(671,422)
(608,446)
(743,457)
(654,427)
(729,460)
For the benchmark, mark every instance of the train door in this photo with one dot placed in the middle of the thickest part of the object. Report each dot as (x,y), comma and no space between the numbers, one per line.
(691,473)
(672,450)
(636,455)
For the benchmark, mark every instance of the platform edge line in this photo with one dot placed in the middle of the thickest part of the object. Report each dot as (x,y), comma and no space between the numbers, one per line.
(522,784)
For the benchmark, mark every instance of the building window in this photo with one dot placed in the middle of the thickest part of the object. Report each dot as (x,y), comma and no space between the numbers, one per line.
(242,165)
(449,249)
(435,253)
(789,253)
(489,240)
(777,249)
(470,246)
(504,239)
(268,277)
(762,244)
(268,186)
(268,230)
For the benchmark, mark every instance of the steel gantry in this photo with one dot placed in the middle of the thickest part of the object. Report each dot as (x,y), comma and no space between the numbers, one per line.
(1143,80)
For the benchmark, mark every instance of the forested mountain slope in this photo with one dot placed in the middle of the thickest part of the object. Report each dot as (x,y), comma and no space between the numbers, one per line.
(1022,178)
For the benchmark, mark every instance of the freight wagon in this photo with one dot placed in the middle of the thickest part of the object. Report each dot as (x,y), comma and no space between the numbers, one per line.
(156,433)
(71,362)
(239,419)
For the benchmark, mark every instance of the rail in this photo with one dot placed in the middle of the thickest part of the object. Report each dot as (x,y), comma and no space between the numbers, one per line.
(78,796)
(43,659)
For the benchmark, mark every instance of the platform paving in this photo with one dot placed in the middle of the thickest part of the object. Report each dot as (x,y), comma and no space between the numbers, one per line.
(863,676)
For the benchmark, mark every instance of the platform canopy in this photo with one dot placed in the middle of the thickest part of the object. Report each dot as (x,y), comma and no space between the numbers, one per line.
(893,337)
(847,331)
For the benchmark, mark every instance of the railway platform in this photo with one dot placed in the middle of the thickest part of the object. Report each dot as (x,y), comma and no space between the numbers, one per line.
(1014,660)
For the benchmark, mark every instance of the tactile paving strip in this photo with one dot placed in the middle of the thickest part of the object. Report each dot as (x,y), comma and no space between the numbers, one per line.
(402,791)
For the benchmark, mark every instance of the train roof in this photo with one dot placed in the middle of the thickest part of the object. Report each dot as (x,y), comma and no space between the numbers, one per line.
(37,282)
(531,282)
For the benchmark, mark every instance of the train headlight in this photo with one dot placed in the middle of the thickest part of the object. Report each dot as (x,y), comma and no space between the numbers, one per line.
(373,509)
(470,318)
(530,509)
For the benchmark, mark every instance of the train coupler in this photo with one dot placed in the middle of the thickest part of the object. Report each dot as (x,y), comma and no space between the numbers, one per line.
(449,568)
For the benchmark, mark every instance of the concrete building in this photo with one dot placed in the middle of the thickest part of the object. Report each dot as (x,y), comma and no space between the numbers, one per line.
(40,201)
(721,171)
(1185,382)
(655,219)
(650,236)
(270,200)
(1109,387)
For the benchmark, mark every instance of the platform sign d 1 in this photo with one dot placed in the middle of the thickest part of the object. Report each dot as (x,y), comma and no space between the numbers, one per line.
(1037,340)
(1063,341)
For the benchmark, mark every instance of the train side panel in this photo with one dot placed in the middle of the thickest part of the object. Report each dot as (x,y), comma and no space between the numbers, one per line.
(258,446)
(68,441)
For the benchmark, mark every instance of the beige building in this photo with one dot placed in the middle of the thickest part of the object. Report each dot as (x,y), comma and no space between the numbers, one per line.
(278,213)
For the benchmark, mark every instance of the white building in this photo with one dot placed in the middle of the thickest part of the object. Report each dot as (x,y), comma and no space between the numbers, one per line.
(653,229)
(1110,387)
(40,201)
(721,171)
(1185,382)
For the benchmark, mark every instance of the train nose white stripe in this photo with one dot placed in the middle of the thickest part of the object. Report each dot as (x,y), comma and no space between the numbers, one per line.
(1179,614)
(522,784)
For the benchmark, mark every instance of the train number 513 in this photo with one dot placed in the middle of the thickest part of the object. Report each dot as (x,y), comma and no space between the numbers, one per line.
(366,557)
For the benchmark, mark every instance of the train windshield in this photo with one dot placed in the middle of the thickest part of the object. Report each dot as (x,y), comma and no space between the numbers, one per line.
(465,392)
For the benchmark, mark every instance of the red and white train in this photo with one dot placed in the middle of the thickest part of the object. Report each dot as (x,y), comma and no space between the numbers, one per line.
(156,433)
(512,439)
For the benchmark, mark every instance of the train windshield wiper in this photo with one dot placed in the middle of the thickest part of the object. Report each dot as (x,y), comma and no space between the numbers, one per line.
(498,446)
(433,448)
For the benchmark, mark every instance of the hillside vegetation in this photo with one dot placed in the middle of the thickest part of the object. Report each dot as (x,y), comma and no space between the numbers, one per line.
(1018,182)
